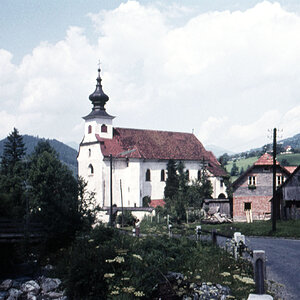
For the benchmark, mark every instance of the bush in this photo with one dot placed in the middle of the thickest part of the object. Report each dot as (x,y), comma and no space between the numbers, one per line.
(128,219)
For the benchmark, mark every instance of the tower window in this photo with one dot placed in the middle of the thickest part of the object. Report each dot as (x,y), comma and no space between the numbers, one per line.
(91,169)
(90,129)
(103,128)
(162,175)
(148,175)
(90,152)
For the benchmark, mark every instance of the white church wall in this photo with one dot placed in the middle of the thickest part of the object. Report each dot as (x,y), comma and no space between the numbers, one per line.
(89,168)
(89,134)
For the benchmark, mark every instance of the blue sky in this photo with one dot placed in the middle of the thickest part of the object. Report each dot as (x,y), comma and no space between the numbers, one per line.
(226,70)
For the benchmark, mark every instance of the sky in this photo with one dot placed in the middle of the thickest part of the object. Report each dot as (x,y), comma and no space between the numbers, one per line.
(226,70)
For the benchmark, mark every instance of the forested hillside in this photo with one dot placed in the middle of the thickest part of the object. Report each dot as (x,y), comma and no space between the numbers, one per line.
(67,154)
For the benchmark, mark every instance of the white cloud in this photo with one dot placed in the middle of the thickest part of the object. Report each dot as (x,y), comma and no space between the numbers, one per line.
(229,75)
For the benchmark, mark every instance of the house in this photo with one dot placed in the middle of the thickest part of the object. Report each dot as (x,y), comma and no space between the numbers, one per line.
(289,196)
(123,165)
(253,190)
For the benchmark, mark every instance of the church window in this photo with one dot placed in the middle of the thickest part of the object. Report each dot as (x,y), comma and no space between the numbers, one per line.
(103,128)
(91,169)
(90,129)
(199,175)
(90,152)
(148,175)
(162,175)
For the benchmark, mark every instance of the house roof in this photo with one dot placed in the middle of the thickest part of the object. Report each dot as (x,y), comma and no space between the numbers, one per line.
(265,160)
(162,145)
(290,169)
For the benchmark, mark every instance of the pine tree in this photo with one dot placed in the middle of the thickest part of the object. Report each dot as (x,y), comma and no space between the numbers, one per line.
(172,182)
(14,151)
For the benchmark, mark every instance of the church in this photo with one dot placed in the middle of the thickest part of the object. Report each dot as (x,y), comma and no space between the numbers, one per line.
(125,165)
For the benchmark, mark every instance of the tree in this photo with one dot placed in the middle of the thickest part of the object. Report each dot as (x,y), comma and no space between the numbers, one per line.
(172,182)
(12,177)
(234,170)
(223,159)
(14,151)
(54,195)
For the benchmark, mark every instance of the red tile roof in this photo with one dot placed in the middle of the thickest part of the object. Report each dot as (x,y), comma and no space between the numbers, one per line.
(265,160)
(163,145)
(290,169)
(157,202)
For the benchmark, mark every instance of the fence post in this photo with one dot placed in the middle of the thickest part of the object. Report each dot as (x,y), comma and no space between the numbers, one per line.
(198,232)
(214,236)
(238,238)
(259,264)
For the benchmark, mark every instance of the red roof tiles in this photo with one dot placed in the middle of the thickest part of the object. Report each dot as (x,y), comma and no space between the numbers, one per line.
(265,160)
(157,202)
(163,145)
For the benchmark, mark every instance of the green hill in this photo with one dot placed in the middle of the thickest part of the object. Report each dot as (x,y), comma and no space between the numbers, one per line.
(67,155)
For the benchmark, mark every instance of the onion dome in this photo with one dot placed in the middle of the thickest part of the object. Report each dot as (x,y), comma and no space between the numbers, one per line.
(98,98)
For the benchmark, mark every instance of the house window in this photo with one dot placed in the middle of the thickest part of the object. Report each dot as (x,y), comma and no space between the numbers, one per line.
(103,128)
(279,180)
(221,183)
(252,180)
(247,206)
(90,129)
(90,152)
(91,169)
(162,175)
(148,175)
(199,175)
(187,174)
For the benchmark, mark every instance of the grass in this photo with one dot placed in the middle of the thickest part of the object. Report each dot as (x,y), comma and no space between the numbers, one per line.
(285,229)
(293,159)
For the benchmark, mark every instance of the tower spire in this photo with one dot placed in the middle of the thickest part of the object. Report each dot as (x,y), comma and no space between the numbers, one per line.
(98,98)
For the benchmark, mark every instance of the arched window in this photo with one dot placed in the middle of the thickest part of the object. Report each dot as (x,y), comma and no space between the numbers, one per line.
(162,175)
(187,174)
(90,152)
(148,175)
(199,175)
(90,129)
(221,196)
(91,169)
(103,128)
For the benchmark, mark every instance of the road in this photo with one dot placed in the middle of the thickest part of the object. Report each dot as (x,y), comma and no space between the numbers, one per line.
(283,262)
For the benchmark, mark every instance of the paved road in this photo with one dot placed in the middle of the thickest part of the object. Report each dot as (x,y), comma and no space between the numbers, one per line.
(283,262)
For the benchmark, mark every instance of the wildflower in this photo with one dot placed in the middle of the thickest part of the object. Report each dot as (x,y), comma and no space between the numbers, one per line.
(139,294)
(108,275)
(90,241)
(97,247)
(119,259)
(129,289)
(125,278)
(109,260)
(137,256)
(114,293)
(225,274)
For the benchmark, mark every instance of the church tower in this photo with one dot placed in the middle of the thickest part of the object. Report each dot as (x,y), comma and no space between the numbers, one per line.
(98,121)
(92,166)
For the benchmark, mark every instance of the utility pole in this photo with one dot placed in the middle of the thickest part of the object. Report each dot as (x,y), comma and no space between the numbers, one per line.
(111,193)
(274,202)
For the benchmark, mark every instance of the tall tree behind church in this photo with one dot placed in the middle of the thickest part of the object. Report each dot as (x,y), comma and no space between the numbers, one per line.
(12,177)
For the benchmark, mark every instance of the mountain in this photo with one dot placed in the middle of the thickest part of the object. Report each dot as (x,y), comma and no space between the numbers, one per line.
(67,154)
(218,151)
(294,141)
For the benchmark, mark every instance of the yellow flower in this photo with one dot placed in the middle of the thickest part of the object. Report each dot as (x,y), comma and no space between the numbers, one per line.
(109,260)
(114,293)
(90,241)
(225,274)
